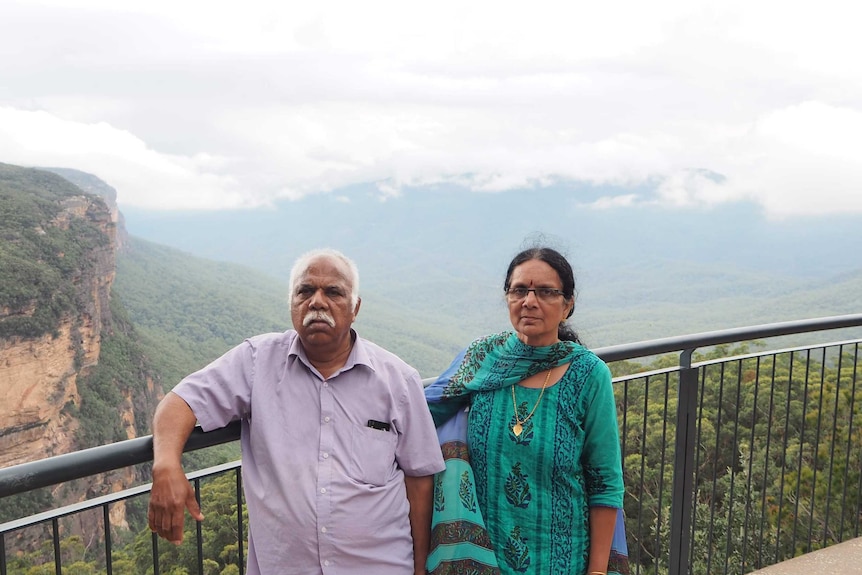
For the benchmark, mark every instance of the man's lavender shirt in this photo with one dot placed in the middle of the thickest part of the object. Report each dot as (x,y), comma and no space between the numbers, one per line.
(325,492)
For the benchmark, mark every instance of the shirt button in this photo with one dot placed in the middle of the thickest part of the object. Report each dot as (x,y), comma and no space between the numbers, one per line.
(326,419)
(325,384)
(326,562)
(323,529)
(326,456)
(323,490)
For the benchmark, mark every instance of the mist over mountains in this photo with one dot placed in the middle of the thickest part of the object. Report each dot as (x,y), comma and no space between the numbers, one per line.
(450,225)
(432,263)
(440,255)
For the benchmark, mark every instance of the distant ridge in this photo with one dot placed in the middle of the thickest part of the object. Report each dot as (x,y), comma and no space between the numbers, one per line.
(440,255)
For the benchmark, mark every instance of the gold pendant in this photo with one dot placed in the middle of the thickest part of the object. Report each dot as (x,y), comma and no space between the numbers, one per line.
(517,429)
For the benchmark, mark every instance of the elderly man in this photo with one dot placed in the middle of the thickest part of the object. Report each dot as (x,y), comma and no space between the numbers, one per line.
(338,446)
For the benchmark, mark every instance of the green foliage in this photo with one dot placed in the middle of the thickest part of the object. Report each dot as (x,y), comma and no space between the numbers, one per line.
(219,532)
(195,310)
(122,368)
(777,455)
(40,259)
(25,504)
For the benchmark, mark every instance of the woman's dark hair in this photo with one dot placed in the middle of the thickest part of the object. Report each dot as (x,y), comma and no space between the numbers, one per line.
(561,265)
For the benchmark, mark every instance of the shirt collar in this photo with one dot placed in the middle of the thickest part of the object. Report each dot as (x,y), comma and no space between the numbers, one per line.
(358,354)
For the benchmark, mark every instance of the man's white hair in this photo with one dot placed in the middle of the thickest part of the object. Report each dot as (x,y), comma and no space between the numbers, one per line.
(302,262)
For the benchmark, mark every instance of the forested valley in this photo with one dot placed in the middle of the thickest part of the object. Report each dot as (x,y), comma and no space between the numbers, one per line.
(777,443)
(778,454)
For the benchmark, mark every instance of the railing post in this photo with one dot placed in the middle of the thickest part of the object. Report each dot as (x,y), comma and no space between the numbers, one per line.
(682,502)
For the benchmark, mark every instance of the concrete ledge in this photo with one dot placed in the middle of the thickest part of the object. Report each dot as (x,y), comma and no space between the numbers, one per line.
(845,557)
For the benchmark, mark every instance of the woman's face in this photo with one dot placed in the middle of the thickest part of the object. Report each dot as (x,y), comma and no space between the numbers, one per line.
(536,318)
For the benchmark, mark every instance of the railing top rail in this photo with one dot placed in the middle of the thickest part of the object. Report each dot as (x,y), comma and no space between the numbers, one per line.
(709,338)
(62,468)
(101,459)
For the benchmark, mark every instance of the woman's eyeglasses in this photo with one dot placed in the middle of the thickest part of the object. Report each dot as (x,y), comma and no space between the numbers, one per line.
(542,293)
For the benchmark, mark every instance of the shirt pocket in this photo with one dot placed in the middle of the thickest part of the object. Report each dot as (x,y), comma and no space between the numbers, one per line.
(372,455)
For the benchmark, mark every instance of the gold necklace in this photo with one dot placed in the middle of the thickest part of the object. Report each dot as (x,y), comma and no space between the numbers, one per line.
(519,423)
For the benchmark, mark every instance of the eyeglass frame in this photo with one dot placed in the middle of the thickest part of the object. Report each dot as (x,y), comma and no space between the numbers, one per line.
(549,293)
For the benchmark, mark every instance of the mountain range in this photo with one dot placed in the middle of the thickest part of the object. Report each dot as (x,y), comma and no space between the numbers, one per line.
(435,259)
(114,319)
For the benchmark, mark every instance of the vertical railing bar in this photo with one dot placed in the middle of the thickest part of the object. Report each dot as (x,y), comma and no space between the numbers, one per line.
(748,507)
(199,529)
(796,519)
(847,449)
(625,426)
(643,468)
(832,448)
(716,455)
(682,507)
(816,448)
(733,465)
(623,453)
(155,545)
(239,529)
(2,554)
(778,555)
(766,463)
(55,528)
(858,513)
(698,385)
(106,519)
(636,548)
(662,464)
(701,447)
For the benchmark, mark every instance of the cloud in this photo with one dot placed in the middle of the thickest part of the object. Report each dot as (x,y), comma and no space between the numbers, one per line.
(154,180)
(217,106)
(804,159)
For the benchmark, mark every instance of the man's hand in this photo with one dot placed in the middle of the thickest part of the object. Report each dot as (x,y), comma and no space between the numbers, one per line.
(172,494)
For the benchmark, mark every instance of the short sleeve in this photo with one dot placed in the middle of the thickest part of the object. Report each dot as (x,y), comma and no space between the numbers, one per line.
(221,392)
(602,459)
(418,451)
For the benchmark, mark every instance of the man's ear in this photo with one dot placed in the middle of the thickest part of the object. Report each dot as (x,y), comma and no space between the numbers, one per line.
(356,309)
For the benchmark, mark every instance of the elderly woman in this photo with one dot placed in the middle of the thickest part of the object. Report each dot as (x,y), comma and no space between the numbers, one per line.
(534,479)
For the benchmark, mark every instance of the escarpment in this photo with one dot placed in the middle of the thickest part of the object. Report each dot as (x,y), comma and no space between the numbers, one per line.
(58,246)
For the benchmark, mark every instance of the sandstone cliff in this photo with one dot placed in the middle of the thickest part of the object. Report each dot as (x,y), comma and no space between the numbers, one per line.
(57,266)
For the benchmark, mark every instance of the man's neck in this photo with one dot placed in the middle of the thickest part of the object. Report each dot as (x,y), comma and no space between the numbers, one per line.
(329,361)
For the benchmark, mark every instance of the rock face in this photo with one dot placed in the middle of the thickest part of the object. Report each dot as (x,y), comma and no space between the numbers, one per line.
(38,380)
(40,374)
(93,185)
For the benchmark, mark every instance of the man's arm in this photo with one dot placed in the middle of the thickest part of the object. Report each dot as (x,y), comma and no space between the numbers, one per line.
(420,491)
(171,494)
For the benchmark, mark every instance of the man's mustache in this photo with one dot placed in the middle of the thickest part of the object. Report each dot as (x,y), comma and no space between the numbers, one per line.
(318,315)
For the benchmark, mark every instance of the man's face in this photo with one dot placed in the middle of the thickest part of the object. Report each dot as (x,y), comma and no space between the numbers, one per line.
(320,304)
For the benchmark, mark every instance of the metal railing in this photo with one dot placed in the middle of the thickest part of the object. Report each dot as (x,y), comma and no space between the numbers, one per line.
(734,459)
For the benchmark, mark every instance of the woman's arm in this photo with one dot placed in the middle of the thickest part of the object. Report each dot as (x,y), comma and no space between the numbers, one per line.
(602,522)
(420,491)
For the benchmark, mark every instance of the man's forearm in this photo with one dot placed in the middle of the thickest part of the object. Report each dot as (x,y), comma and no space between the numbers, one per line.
(171,493)
(173,423)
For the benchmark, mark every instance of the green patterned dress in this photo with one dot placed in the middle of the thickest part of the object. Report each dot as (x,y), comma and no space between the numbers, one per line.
(534,490)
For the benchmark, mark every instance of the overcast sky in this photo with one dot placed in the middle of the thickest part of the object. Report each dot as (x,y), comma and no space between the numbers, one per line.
(218,105)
